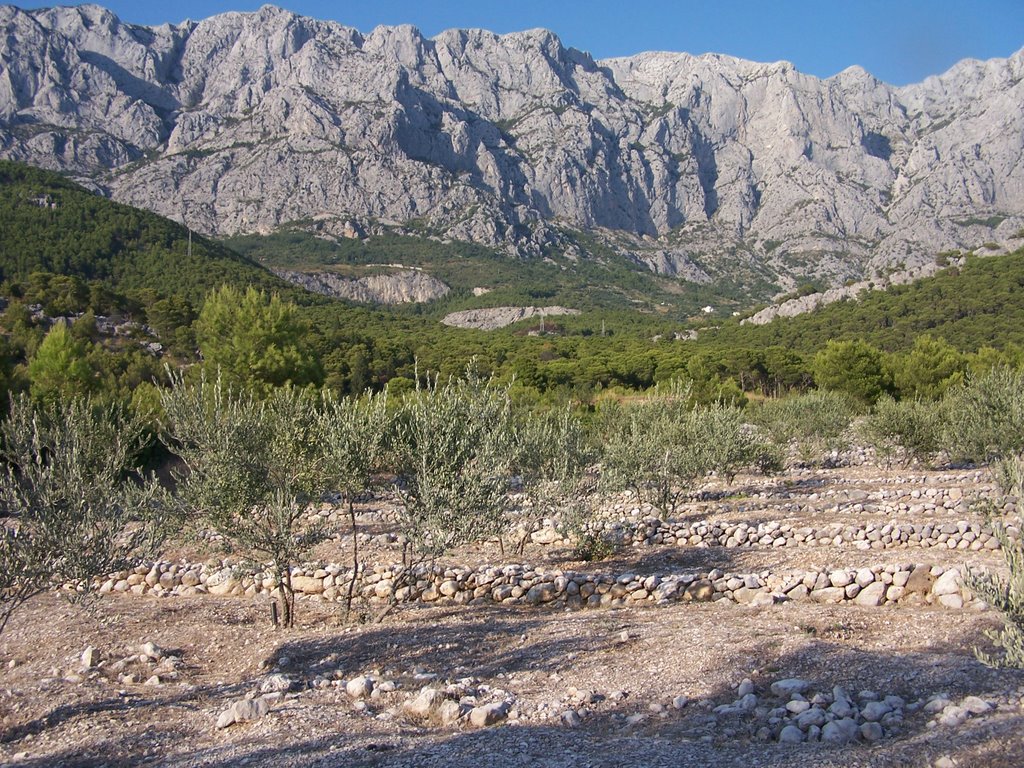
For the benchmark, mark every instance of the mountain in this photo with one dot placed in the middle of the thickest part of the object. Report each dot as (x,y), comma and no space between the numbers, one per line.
(703,167)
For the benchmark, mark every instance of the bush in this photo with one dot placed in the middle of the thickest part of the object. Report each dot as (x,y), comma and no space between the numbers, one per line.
(76,506)
(985,416)
(1005,594)
(814,423)
(904,430)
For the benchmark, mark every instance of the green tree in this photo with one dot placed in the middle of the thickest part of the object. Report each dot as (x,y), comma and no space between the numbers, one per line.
(854,368)
(59,369)
(169,316)
(928,369)
(255,340)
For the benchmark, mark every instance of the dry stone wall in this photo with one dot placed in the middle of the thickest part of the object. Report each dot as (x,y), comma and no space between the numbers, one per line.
(520,584)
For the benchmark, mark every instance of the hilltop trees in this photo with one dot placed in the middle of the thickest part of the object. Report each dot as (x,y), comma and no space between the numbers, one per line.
(59,370)
(255,340)
(854,368)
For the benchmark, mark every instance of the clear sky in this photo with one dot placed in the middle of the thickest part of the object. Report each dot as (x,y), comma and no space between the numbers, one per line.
(899,41)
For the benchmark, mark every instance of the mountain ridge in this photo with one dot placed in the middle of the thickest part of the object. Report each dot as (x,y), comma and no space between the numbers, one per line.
(699,166)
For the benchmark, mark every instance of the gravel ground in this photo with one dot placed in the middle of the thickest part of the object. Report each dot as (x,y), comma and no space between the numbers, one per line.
(645,681)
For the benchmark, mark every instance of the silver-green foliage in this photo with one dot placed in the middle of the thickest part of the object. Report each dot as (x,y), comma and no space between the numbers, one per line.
(454,450)
(985,416)
(551,452)
(75,506)
(902,430)
(1005,594)
(252,467)
(660,446)
(352,436)
(815,422)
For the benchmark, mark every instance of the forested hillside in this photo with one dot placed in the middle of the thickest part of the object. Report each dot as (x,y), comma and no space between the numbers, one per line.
(65,252)
(52,225)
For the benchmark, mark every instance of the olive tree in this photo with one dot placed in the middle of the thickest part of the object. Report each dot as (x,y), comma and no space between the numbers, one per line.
(660,446)
(75,505)
(1006,595)
(814,422)
(251,469)
(550,455)
(454,452)
(352,436)
(985,416)
(902,429)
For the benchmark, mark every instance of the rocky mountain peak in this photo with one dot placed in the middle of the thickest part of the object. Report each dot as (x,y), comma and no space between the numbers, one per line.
(245,121)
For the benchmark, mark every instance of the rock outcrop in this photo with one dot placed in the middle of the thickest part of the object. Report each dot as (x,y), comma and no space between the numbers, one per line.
(403,287)
(492,318)
(700,166)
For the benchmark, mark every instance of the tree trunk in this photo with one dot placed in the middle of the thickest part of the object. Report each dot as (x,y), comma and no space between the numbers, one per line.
(286,597)
(355,556)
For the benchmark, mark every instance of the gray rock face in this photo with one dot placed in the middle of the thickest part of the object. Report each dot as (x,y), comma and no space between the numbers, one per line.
(695,166)
(498,317)
(402,287)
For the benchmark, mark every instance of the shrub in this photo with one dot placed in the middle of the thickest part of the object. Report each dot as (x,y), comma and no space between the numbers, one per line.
(814,422)
(985,416)
(905,430)
(76,506)
(644,449)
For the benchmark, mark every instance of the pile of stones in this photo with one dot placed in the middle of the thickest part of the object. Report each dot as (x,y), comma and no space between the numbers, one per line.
(794,712)
(146,664)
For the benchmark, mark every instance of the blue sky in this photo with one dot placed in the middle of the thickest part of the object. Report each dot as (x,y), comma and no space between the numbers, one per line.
(899,41)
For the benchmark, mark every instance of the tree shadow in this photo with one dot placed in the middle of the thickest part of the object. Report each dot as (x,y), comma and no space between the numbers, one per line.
(494,643)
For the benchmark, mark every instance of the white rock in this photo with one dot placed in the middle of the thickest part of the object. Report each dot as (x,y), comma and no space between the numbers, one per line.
(90,657)
(488,714)
(243,710)
(427,704)
(947,584)
(789,686)
(359,687)
(976,705)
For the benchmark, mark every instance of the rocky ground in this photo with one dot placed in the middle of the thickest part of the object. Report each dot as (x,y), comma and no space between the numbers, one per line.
(203,680)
